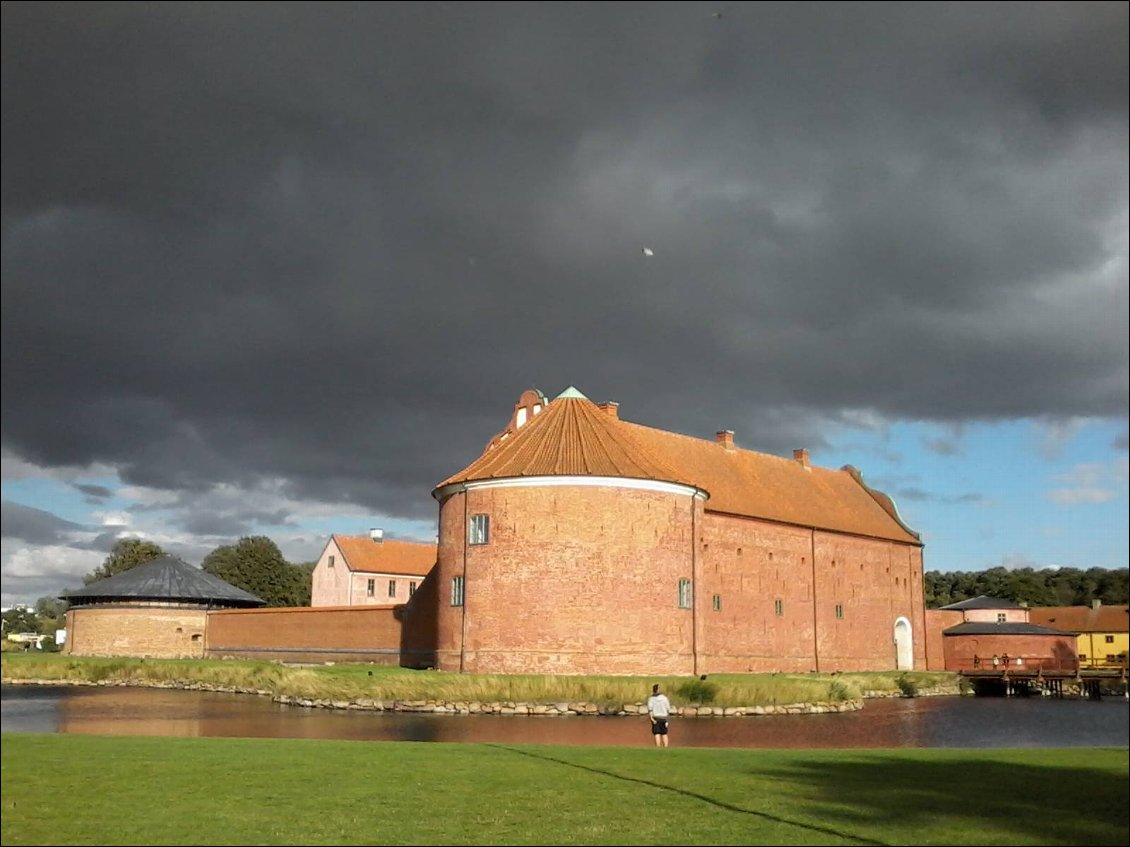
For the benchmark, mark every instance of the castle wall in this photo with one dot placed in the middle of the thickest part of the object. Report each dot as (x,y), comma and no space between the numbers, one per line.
(574,579)
(148,631)
(783,598)
(339,634)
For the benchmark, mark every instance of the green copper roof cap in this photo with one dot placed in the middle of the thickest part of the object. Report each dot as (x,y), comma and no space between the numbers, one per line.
(570,393)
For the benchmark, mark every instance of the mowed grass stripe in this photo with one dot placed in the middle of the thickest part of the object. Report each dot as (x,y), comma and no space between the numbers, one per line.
(71,789)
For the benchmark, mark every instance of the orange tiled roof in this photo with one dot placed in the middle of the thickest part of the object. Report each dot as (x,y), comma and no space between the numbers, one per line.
(574,437)
(361,553)
(1082,618)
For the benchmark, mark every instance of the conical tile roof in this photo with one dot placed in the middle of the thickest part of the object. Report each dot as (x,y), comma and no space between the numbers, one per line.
(165,578)
(571,437)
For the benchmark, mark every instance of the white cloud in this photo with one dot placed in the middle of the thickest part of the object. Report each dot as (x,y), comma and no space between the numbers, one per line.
(1055,434)
(13,467)
(112,518)
(33,572)
(1075,496)
(148,497)
(1090,482)
(1085,475)
(1015,561)
(866,419)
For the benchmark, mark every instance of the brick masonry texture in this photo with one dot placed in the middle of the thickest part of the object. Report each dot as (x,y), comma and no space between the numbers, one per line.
(1058,649)
(938,620)
(150,632)
(353,633)
(585,579)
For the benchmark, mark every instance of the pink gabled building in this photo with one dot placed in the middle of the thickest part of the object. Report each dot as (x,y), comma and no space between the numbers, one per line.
(367,570)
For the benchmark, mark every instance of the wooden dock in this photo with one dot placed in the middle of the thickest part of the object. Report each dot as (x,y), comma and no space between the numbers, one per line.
(1008,677)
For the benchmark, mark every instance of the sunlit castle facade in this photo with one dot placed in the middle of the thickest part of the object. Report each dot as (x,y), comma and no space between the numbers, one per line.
(581,543)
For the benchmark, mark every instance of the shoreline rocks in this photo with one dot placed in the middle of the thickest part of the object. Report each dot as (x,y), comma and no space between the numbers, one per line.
(472,707)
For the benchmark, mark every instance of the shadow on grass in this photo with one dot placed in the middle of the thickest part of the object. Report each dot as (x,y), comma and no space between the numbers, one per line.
(1040,803)
(996,798)
(720,804)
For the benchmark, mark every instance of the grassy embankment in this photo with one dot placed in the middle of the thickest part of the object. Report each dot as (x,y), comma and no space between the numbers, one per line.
(73,789)
(357,681)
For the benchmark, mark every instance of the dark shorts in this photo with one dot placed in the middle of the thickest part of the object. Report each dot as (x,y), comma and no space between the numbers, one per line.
(659,727)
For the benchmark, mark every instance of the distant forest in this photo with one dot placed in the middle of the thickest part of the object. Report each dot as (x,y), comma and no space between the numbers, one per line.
(1052,587)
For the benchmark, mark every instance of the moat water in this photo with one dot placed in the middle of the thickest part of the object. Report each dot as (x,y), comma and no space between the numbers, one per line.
(918,722)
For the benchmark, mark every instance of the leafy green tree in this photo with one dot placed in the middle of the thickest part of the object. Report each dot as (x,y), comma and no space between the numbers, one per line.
(1114,586)
(306,569)
(20,620)
(255,564)
(51,613)
(125,555)
(1048,587)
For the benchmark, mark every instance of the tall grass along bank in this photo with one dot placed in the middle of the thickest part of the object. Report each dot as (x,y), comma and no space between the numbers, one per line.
(375,686)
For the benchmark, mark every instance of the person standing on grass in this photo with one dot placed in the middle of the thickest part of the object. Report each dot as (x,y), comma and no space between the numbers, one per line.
(659,710)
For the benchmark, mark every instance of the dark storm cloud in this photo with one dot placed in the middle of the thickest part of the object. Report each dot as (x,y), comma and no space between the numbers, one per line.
(942,446)
(919,495)
(35,526)
(94,493)
(330,244)
(230,525)
(103,542)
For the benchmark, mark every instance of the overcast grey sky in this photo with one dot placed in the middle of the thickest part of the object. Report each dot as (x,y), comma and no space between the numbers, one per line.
(261,259)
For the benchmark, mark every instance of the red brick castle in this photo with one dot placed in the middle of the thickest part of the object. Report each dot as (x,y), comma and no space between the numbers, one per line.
(582,543)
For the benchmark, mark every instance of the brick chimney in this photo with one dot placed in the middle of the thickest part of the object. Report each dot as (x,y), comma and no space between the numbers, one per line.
(610,408)
(725,437)
(801,455)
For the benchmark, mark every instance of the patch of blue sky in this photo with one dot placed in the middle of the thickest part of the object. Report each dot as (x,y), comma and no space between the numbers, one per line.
(1017,493)
(62,499)
(354,525)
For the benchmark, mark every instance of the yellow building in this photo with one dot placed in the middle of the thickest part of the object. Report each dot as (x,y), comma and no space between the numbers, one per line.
(1102,632)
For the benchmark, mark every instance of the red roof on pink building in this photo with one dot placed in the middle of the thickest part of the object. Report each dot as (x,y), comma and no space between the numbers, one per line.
(362,553)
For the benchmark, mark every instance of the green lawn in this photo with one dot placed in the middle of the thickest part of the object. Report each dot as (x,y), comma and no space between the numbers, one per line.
(72,789)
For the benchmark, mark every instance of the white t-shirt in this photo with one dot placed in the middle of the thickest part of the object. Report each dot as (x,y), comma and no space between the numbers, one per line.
(658,706)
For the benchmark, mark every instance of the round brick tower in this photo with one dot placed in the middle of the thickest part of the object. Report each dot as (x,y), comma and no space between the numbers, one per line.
(567,548)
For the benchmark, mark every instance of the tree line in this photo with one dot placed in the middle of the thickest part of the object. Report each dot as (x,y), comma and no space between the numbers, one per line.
(254,563)
(1028,586)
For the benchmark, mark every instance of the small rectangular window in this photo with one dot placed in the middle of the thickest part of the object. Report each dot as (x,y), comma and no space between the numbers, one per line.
(1109,639)
(1001,617)
(331,562)
(684,594)
(411,588)
(1082,657)
(457,591)
(717,602)
(1111,659)
(779,607)
(371,587)
(839,610)
(479,530)
(392,588)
